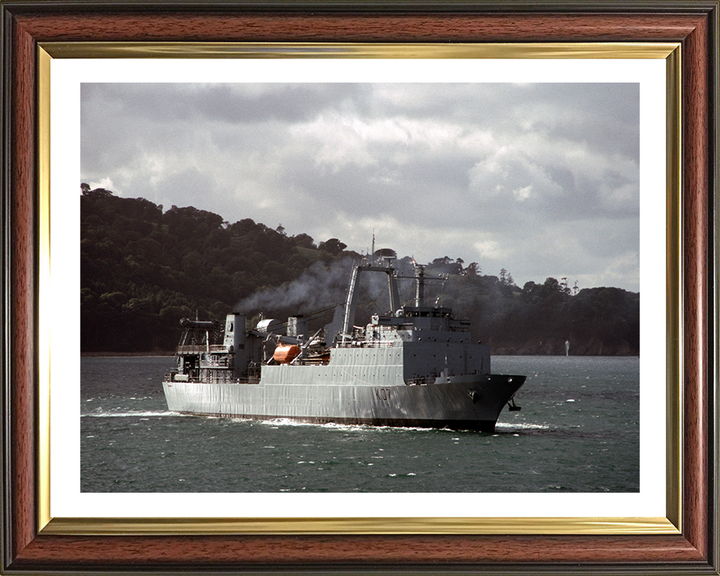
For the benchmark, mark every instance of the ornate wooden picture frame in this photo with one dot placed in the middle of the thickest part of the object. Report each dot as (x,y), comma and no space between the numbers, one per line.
(35,30)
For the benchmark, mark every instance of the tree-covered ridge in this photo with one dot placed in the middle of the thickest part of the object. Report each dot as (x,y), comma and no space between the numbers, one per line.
(143,268)
(540,318)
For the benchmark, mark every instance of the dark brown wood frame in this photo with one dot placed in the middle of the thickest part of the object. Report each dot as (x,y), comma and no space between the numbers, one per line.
(692,23)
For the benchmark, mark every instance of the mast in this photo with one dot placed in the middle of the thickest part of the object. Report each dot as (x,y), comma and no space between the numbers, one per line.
(419,286)
(349,316)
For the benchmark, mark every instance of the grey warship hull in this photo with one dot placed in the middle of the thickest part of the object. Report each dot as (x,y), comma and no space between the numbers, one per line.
(414,366)
(460,404)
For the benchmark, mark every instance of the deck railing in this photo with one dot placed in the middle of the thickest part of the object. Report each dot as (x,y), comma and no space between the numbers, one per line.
(200,348)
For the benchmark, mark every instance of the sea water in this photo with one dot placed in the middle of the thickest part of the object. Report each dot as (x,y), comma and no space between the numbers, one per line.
(578,431)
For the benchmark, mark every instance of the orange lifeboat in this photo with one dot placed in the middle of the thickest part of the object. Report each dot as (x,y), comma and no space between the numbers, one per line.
(286,353)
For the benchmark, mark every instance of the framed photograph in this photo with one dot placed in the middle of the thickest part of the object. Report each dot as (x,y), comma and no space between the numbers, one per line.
(80,78)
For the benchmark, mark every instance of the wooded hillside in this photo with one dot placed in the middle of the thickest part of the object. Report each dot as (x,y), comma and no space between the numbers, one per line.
(143,268)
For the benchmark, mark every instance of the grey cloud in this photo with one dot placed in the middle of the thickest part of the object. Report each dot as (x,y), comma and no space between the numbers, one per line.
(234,103)
(546,174)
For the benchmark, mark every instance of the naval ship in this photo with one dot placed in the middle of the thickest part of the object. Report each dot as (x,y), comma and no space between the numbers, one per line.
(414,366)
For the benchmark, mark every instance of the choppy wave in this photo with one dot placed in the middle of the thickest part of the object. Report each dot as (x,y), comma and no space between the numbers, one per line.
(130,414)
(130,442)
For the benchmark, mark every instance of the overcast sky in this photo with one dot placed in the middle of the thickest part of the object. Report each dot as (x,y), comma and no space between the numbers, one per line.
(539,179)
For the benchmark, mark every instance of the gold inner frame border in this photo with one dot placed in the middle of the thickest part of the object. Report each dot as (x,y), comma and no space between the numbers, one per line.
(671,524)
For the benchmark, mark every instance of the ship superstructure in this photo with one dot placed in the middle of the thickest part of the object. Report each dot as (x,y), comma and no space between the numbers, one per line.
(413,366)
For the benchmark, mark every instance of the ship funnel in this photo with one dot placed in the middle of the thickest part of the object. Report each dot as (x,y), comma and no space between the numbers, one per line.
(234,342)
(234,332)
(297,327)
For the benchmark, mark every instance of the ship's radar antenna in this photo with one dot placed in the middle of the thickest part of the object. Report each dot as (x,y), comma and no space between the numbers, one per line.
(386,256)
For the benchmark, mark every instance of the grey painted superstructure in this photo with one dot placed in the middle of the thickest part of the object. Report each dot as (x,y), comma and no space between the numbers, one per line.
(415,366)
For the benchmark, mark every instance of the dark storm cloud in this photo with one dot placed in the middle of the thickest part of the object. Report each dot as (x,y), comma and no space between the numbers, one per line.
(541,179)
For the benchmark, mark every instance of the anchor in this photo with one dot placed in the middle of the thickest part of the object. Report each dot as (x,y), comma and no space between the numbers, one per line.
(512,406)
